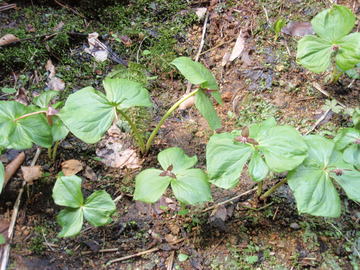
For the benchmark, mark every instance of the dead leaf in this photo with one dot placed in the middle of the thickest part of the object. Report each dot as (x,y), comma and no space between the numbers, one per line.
(59,26)
(71,167)
(225,59)
(97,48)
(49,67)
(238,47)
(117,150)
(126,40)
(31,173)
(30,28)
(174,228)
(8,39)
(187,103)
(170,238)
(13,166)
(21,96)
(200,12)
(299,29)
(90,174)
(56,84)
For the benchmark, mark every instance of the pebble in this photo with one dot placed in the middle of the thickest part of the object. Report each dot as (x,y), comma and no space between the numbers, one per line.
(295,226)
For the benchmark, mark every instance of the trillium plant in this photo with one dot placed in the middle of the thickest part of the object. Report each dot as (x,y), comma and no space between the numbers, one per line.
(333,45)
(96,209)
(190,185)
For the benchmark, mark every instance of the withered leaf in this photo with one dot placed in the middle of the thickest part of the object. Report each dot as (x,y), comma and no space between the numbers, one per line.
(299,29)
(31,173)
(8,39)
(71,167)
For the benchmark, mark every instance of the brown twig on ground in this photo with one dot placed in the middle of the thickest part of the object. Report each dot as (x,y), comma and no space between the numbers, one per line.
(13,166)
(6,7)
(6,253)
(170,261)
(229,200)
(140,253)
(69,8)
(318,121)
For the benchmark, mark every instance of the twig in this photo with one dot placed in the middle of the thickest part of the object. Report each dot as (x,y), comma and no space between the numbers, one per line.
(318,87)
(171,261)
(69,8)
(140,253)
(266,15)
(229,200)
(6,252)
(318,121)
(13,166)
(188,87)
(6,7)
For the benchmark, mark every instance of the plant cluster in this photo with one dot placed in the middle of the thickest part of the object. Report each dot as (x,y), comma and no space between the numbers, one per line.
(315,164)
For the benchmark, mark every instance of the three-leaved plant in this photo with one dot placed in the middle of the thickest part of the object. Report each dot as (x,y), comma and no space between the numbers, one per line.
(96,209)
(312,181)
(332,43)
(190,185)
(266,146)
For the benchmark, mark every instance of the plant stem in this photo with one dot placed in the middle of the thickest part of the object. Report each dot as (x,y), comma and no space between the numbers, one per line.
(259,188)
(54,152)
(272,189)
(135,131)
(49,153)
(29,114)
(166,115)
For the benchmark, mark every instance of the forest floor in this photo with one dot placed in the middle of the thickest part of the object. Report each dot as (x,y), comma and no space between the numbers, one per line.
(264,81)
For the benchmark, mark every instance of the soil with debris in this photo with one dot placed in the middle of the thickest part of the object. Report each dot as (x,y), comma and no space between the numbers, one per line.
(258,78)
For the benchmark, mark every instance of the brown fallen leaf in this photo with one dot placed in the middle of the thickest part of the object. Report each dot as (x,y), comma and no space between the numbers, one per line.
(71,167)
(21,96)
(238,47)
(117,150)
(31,173)
(299,29)
(170,238)
(59,26)
(8,39)
(13,166)
(90,174)
(56,84)
(49,67)
(97,48)
(187,104)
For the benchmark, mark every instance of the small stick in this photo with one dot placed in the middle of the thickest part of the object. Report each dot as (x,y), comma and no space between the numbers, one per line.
(140,253)
(188,87)
(171,261)
(318,121)
(6,7)
(6,252)
(229,200)
(13,166)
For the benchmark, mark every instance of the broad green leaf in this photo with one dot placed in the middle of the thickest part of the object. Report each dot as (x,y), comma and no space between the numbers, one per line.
(334,23)
(149,185)
(319,152)
(225,159)
(346,137)
(217,96)
(350,182)
(206,108)
(2,176)
(71,221)
(67,191)
(87,114)
(191,186)
(21,134)
(124,93)
(195,72)
(44,99)
(314,53)
(258,169)
(2,239)
(176,157)
(256,129)
(314,192)
(8,90)
(348,54)
(352,155)
(58,130)
(98,208)
(283,148)
(356,118)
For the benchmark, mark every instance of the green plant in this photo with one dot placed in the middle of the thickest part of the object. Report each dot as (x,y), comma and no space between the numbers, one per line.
(95,112)
(96,209)
(348,141)
(332,27)
(2,176)
(312,184)
(278,25)
(332,105)
(269,147)
(190,185)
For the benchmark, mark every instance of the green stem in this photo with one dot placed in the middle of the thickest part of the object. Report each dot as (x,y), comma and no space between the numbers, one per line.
(29,114)
(54,152)
(49,153)
(166,115)
(135,130)
(272,189)
(259,188)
